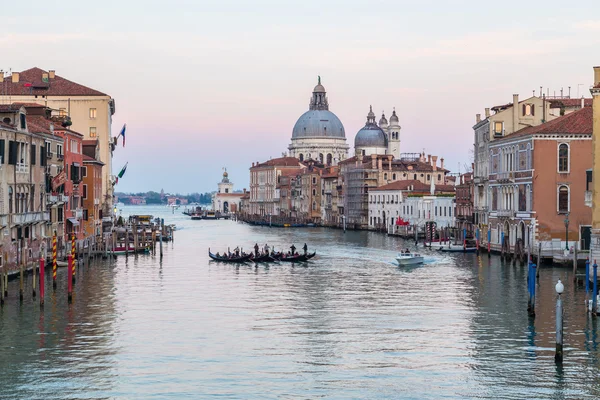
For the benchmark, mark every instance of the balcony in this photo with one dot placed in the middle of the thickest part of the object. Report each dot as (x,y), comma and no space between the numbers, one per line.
(588,198)
(51,199)
(30,218)
(505,214)
(60,157)
(49,155)
(22,168)
(505,177)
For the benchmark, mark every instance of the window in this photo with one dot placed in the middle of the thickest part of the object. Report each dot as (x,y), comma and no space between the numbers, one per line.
(528,110)
(563,199)
(93,132)
(563,157)
(59,150)
(59,216)
(92,113)
(84,172)
(48,148)
(498,128)
(301,157)
(394,176)
(84,192)
(74,146)
(23,122)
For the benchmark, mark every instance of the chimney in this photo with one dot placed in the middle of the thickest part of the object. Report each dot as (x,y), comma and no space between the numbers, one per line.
(596,76)
(515,113)
(582,102)
(487,112)
(429,159)
(15,77)
(52,74)
(434,159)
(477,118)
(44,77)
(252,165)
(442,163)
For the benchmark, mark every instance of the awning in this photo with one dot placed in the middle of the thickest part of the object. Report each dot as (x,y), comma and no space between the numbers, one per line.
(73,221)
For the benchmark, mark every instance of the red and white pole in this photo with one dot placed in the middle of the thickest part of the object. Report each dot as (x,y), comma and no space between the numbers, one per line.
(70,277)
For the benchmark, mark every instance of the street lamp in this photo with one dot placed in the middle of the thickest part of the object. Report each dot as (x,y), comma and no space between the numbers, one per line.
(567,231)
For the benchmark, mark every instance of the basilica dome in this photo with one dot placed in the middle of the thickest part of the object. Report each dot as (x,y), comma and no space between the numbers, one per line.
(318,123)
(370,135)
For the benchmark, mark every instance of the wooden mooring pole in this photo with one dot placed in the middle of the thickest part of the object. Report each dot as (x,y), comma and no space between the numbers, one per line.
(42,281)
(70,278)
(558,356)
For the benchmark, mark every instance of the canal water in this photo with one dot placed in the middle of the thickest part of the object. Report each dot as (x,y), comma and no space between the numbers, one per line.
(348,325)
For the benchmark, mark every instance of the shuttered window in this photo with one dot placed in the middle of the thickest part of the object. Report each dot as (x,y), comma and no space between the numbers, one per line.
(33,154)
(43,160)
(12,152)
(2,146)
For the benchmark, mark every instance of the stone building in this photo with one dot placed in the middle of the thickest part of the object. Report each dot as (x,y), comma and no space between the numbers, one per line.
(537,184)
(319,134)
(24,215)
(89,110)
(413,202)
(464,204)
(264,198)
(226,200)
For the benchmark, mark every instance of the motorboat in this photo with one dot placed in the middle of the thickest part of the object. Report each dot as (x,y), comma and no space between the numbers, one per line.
(409,258)
(457,248)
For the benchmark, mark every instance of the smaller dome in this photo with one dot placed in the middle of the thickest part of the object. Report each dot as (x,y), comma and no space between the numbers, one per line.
(394,118)
(319,89)
(370,135)
(383,121)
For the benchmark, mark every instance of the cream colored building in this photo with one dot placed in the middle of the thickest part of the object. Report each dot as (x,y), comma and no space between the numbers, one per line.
(90,111)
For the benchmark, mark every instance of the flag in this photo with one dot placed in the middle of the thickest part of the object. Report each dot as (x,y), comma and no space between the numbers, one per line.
(123,171)
(122,133)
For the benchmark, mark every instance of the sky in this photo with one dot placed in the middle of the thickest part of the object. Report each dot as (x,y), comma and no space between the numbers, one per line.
(207,85)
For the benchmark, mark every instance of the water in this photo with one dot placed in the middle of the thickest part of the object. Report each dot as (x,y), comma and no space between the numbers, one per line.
(351,324)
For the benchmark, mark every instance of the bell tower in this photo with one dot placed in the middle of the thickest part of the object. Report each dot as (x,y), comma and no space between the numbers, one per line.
(394,136)
(225,186)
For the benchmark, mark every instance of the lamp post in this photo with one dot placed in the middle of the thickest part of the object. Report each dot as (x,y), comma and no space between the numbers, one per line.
(567,231)
(558,356)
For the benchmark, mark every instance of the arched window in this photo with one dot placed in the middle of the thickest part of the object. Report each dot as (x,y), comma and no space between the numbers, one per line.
(563,157)
(439,177)
(385,176)
(428,177)
(394,176)
(415,177)
(563,199)
(301,157)
(329,159)
(321,158)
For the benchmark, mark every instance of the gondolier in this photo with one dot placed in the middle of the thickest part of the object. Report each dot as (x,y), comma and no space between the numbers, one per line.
(256,249)
(266,248)
(305,248)
(293,248)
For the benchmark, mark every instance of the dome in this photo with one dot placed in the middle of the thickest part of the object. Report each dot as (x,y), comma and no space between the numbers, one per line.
(319,89)
(394,118)
(382,120)
(318,123)
(370,135)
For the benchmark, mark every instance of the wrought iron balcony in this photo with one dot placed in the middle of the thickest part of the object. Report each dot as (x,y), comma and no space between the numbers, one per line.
(505,213)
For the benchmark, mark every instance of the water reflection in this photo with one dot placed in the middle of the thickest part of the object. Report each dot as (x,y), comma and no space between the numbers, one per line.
(350,324)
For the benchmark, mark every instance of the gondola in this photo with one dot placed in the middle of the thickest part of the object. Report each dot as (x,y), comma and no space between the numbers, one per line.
(261,258)
(309,256)
(240,259)
(286,258)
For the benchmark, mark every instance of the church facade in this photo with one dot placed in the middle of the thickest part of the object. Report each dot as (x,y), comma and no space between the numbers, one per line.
(225,200)
(382,139)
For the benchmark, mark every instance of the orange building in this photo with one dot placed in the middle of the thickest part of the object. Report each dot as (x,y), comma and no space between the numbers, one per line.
(91,195)
(537,184)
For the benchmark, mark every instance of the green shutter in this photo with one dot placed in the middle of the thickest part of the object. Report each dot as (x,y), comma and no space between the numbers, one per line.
(33,154)
(12,152)
(2,146)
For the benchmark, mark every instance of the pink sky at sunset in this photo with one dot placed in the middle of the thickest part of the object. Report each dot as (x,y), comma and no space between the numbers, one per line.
(203,86)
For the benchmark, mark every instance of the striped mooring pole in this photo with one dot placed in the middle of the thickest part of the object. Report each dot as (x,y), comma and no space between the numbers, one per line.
(42,280)
(54,261)
(73,259)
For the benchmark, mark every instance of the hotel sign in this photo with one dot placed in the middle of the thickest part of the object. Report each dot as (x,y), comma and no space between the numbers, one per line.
(59,180)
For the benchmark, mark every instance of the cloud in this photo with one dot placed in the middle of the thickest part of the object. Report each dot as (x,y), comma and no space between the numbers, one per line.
(588,25)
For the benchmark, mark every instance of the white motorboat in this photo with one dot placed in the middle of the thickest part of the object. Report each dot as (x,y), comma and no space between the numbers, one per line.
(409,258)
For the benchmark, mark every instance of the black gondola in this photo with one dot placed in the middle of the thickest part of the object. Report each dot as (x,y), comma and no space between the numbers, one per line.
(309,256)
(290,258)
(239,259)
(261,258)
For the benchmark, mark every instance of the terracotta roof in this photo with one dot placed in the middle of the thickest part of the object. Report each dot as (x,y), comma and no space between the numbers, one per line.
(417,186)
(6,126)
(30,83)
(575,123)
(30,105)
(280,162)
(558,103)
(38,124)
(89,142)
(10,107)
(292,172)
(230,194)
(89,159)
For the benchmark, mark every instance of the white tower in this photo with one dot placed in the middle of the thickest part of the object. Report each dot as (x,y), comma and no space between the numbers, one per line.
(393,131)
(225,186)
